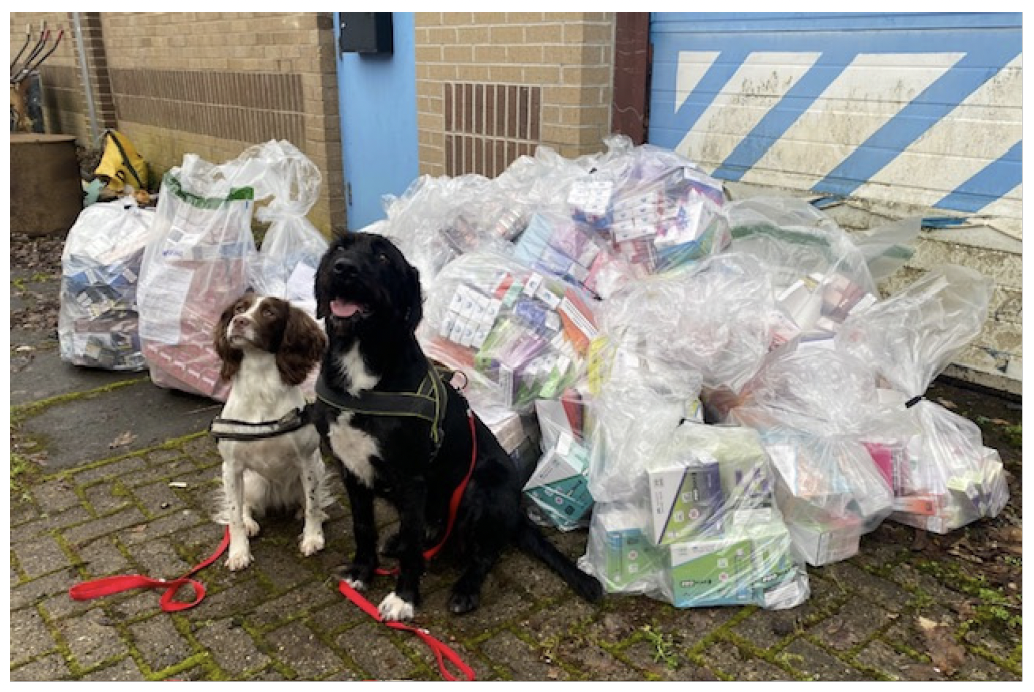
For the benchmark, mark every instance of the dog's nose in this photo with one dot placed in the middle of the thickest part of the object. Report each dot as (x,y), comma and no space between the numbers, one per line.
(344,265)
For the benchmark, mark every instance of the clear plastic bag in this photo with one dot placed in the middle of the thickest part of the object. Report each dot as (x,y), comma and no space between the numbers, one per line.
(558,489)
(100,263)
(286,263)
(818,274)
(519,335)
(197,263)
(815,411)
(944,477)
(717,317)
(700,528)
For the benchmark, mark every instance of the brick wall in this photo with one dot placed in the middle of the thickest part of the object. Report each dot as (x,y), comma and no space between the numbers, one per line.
(493,85)
(64,106)
(210,83)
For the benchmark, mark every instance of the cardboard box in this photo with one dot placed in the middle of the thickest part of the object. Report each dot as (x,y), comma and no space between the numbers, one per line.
(712,572)
(630,559)
(685,502)
(559,486)
(825,542)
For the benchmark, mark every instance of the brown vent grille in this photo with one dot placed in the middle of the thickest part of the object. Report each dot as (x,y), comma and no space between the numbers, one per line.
(487,126)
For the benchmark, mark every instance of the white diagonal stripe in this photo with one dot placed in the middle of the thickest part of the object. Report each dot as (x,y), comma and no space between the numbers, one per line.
(693,65)
(868,93)
(758,85)
(980,130)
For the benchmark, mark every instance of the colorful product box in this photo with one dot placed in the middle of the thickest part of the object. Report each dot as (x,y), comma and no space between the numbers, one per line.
(712,572)
(631,558)
(559,486)
(825,542)
(685,501)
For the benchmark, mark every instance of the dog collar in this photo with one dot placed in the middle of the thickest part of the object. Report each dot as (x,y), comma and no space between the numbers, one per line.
(428,402)
(243,431)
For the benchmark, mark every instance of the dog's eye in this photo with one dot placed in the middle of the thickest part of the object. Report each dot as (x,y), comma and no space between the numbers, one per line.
(382,258)
(268,312)
(239,308)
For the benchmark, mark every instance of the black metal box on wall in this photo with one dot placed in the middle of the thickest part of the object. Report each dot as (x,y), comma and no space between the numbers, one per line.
(365,32)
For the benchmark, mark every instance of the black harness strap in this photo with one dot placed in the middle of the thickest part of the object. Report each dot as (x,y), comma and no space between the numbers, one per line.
(243,431)
(427,403)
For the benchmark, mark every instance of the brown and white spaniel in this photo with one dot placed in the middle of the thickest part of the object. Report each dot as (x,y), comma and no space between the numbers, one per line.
(268,347)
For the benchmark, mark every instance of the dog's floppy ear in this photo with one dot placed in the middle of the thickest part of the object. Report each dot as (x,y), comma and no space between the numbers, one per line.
(415,298)
(301,348)
(231,359)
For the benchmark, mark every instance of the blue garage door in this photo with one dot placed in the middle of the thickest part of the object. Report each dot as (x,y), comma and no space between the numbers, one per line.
(919,108)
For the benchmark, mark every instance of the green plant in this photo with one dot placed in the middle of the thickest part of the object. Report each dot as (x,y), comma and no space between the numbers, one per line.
(663,647)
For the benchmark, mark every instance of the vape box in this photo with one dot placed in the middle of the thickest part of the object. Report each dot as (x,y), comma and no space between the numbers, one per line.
(712,572)
(685,502)
(559,486)
(825,542)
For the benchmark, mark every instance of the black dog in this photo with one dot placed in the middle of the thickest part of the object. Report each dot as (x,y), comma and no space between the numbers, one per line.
(370,297)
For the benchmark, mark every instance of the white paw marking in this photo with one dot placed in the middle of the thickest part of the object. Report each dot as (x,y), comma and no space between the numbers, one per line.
(394,608)
(357,584)
(238,559)
(312,543)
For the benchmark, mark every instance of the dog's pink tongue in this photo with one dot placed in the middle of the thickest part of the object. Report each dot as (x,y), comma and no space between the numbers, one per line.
(343,308)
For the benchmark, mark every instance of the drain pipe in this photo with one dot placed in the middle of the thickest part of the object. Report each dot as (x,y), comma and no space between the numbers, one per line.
(85,75)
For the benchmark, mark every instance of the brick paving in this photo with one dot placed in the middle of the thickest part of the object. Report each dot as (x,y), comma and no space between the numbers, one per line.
(145,509)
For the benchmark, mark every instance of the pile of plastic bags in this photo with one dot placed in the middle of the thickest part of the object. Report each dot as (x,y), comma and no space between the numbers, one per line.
(623,301)
(144,289)
(716,390)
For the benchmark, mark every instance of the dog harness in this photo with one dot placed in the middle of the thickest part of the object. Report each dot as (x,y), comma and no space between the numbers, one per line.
(243,431)
(428,402)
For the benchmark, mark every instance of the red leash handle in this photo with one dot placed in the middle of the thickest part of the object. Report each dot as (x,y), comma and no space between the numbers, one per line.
(106,586)
(440,650)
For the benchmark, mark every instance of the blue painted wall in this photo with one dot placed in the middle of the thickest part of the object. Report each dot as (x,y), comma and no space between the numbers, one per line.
(918,108)
(378,123)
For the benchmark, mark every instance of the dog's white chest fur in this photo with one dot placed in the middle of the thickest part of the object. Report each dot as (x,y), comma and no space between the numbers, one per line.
(352,446)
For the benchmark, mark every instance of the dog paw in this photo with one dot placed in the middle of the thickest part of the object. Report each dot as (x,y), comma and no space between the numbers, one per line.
(238,560)
(460,603)
(251,526)
(311,544)
(357,578)
(395,608)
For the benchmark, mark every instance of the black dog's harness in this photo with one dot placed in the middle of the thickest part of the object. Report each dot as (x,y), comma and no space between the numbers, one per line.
(428,402)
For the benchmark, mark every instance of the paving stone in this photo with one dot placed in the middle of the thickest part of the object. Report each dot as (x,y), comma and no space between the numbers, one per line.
(29,636)
(375,652)
(593,662)
(156,498)
(332,617)
(520,660)
(873,589)
(850,627)
(808,659)
(55,495)
(415,648)
(91,638)
(765,629)
(41,556)
(298,602)
(158,559)
(497,608)
(643,656)
(105,498)
(45,668)
(895,665)
(40,589)
(241,598)
(113,471)
(147,531)
(297,647)
(122,671)
(101,557)
(230,646)
(693,624)
(50,521)
(117,522)
(160,471)
(159,643)
(979,668)
(729,660)
(531,575)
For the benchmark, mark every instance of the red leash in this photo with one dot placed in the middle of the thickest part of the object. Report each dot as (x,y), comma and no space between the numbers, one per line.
(107,586)
(439,649)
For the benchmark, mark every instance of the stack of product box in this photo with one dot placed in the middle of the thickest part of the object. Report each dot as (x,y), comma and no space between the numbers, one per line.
(708,532)
(527,333)
(559,487)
